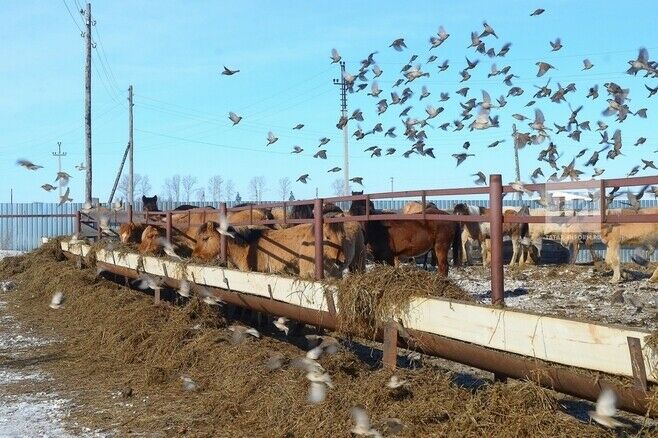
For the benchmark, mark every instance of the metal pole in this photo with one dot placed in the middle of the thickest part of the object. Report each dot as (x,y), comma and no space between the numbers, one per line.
(59,154)
(222,238)
(318,222)
(131,145)
(496,225)
(88,22)
(116,180)
(343,113)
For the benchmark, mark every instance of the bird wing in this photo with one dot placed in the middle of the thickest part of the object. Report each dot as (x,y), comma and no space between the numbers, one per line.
(360,418)
(605,405)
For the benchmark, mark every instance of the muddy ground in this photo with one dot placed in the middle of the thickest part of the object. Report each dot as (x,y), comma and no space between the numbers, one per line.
(110,364)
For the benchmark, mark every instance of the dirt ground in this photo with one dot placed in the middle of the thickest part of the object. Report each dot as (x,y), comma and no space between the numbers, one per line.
(111,365)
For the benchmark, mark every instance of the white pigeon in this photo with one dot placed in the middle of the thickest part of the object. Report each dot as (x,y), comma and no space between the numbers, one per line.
(223,226)
(320,377)
(315,353)
(184,288)
(57,300)
(606,409)
(189,384)
(208,297)
(396,382)
(280,323)
(362,423)
(275,362)
(240,332)
(7,286)
(317,392)
(168,248)
(145,281)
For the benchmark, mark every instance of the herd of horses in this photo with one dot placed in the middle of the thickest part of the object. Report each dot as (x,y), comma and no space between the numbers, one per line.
(347,245)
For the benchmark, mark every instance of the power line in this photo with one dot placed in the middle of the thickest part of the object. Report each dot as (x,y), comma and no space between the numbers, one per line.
(72,17)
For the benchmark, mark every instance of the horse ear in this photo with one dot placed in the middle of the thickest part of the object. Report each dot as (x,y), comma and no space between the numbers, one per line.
(144,198)
(155,198)
(210,225)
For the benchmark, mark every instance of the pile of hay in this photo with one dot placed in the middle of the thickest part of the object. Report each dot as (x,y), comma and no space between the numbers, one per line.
(366,300)
(111,339)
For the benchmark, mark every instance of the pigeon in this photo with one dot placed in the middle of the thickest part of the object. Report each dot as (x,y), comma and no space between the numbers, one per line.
(168,248)
(358,180)
(324,141)
(335,56)
(80,167)
(488,30)
(395,382)
(504,50)
(145,281)
(271,138)
(303,178)
(57,300)
(357,115)
(322,154)
(240,333)
(7,286)
(556,45)
(593,92)
(28,164)
(652,91)
(183,288)
(374,89)
(48,187)
(481,178)
(280,324)
(63,177)
(189,384)
(234,118)
(362,423)
(390,132)
(298,126)
(587,64)
(398,44)
(377,72)
(543,68)
(317,392)
(647,164)
(334,169)
(229,72)
(461,157)
(606,409)
(640,141)
(537,11)
(296,150)
(65,197)
(642,113)
(444,66)
(436,41)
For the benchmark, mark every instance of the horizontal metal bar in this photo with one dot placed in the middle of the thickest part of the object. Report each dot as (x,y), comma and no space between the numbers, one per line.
(9,216)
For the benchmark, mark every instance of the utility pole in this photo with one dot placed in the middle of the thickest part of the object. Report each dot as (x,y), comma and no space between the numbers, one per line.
(131,181)
(59,154)
(343,112)
(88,23)
(392,184)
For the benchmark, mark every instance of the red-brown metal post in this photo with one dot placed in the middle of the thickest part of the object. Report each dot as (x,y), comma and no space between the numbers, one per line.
(318,220)
(78,223)
(168,226)
(390,345)
(496,225)
(222,237)
(602,202)
(130,213)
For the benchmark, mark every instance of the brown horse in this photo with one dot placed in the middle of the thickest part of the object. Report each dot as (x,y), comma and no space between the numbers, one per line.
(131,232)
(390,240)
(289,250)
(150,243)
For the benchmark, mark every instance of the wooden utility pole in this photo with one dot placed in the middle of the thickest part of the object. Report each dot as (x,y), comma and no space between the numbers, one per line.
(131,145)
(88,24)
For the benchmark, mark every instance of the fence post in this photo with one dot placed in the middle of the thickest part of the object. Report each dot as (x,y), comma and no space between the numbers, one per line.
(318,222)
(168,226)
(78,223)
(496,250)
(390,344)
(222,237)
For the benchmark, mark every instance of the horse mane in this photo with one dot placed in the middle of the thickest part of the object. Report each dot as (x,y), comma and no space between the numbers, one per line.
(301,212)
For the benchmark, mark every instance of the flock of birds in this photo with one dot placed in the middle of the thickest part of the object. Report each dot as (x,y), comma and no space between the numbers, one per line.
(477,114)
(61,178)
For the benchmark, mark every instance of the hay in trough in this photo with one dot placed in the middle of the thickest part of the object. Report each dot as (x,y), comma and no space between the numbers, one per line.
(366,300)
(111,340)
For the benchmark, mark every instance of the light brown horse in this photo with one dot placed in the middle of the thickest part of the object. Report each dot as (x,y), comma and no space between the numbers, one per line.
(289,250)
(150,243)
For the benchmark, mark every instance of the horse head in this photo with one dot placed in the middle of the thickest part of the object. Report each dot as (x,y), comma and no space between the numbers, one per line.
(461,208)
(358,206)
(150,204)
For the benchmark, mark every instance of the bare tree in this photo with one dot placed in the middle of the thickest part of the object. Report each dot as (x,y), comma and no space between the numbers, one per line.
(229,188)
(284,187)
(188,183)
(215,187)
(144,187)
(338,187)
(201,194)
(172,188)
(256,188)
(122,188)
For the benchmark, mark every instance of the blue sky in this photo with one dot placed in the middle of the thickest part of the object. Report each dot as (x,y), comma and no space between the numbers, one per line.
(172,53)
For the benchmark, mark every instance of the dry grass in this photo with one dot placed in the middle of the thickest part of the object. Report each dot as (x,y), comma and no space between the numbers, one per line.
(112,338)
(384,292)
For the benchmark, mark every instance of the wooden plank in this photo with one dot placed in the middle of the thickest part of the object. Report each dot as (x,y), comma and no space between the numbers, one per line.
(581,344)
(637,364)
(390,345)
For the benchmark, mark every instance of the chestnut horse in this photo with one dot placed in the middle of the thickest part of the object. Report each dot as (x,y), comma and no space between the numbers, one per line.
(390,240)
(289,250)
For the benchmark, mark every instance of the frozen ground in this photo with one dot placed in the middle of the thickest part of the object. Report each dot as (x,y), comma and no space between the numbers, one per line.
(575,291)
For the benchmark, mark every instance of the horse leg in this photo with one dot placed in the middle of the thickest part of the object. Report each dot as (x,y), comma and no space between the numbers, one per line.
(441,252)
(612,254)
(465,259)
(484,245)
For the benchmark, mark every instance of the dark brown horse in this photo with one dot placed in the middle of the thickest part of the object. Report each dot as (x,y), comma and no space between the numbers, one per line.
(390,240)
(150,203)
